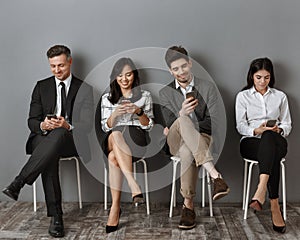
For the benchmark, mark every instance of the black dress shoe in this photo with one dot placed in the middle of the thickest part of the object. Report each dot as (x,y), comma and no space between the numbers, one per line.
(56,228)
(110,229)
(13,190)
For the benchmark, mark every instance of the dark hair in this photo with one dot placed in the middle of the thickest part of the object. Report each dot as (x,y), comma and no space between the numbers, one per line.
(174,53)
(115,90)
(257,65)
(58,50)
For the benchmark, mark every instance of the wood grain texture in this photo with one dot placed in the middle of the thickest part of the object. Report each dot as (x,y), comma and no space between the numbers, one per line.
(18,221)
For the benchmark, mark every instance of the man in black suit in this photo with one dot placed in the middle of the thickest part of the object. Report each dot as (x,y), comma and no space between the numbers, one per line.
(51,136)
(189,107)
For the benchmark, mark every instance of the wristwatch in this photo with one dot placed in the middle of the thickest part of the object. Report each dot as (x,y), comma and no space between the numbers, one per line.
(140,113)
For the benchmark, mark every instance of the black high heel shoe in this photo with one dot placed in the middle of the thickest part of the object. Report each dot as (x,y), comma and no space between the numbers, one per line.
(255,205)
(110,229)
(280,229)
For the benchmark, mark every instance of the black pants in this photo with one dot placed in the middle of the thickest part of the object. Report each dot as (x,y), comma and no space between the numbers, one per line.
(45,161)
(268,151)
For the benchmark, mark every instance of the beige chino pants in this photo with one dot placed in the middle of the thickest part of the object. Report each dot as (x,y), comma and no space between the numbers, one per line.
(192,147)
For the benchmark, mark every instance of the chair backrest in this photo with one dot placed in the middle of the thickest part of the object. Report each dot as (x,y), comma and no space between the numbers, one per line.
(101,135)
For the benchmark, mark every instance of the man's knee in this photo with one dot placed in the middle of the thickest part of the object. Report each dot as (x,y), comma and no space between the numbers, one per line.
(60,133)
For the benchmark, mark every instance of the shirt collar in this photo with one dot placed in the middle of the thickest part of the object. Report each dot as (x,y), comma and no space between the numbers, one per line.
(191,85)
(67,81)
(253,90)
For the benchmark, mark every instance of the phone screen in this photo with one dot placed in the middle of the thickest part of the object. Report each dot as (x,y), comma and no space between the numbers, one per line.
(125,101)
(190,94)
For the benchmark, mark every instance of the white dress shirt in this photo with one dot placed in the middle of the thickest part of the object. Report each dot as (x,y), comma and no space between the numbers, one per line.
(252,109)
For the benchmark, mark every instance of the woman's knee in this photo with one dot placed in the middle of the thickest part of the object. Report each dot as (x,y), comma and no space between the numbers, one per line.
(268,135)
(115,137)
(112,159)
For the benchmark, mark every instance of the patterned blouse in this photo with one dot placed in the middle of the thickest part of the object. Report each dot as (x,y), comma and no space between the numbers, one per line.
(107,108)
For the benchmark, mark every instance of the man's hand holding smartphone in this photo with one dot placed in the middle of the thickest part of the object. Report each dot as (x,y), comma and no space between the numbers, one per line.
(189,104)
(52,121)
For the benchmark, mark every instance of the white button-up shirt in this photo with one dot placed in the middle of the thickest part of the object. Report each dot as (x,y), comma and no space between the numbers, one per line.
(67,83)
(252,109)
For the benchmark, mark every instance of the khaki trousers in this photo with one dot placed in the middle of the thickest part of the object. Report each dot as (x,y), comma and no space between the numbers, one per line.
(192,147)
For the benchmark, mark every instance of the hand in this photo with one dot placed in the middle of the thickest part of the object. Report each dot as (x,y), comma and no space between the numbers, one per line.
(132,108)
(166,131)
(50,124)
(263,127)
(188,106)
(120,110)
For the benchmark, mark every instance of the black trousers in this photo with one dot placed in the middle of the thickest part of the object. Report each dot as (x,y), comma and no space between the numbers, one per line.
(268,151)
(45,161)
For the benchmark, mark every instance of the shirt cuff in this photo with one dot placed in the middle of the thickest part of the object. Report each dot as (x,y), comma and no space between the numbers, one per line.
(71,127)
(44,132)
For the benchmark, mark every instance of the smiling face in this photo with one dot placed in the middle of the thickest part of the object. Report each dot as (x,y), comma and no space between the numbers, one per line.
(261,80)
(125,78)
(181,70)
(60,66)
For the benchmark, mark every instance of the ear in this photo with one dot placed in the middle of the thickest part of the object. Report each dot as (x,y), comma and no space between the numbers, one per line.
(171,72)
(190,63)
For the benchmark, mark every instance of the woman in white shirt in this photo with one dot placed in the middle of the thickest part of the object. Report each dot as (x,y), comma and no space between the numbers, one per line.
(257,103)
(126,113)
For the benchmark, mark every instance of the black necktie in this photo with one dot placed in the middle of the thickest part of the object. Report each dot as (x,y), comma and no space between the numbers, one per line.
(63,100)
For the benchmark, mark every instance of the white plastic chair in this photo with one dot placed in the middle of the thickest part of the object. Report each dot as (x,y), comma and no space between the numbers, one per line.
(247,182)
(142,160)
(76,159)
(175,161)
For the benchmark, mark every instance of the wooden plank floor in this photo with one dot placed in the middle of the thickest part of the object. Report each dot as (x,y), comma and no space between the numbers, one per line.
(18,221)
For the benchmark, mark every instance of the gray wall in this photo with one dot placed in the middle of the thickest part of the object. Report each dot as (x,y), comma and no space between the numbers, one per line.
(223,36)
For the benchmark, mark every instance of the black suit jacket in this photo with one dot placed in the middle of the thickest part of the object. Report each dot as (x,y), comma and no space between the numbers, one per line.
(43,102)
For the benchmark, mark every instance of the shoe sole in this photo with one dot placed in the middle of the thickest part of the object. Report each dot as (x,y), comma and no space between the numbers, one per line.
(183,227)
(221,194)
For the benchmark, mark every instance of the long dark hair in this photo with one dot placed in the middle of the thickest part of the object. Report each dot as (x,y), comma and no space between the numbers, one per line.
(115,90)
(257,65)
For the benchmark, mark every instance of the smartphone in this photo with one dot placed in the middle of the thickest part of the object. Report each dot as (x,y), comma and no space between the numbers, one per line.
(191,94)
(125,101)
(49,116)
(271,123)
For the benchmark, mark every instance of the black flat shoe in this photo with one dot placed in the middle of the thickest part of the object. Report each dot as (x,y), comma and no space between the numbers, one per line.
(110,229)
(255,205)
(280,229)
(138,199)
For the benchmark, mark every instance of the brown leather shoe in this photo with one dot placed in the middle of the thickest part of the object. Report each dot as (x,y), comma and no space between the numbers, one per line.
(221,189)
(187,220)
